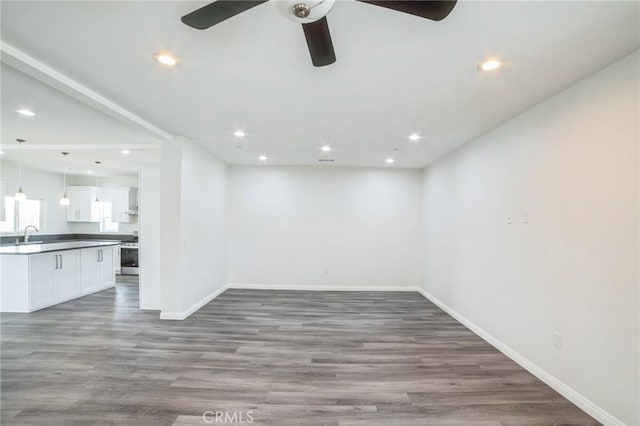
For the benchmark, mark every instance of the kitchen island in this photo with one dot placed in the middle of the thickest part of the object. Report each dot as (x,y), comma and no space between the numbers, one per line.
(35,276)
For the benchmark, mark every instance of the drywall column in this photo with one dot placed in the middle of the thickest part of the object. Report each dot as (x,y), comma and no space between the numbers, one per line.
(193,228)
(170,226)
(150,238)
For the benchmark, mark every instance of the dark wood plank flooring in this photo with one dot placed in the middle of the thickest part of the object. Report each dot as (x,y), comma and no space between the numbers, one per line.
(284,357)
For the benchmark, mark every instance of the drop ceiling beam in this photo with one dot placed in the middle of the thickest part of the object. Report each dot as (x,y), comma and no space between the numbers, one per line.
(31,66)
(78,147)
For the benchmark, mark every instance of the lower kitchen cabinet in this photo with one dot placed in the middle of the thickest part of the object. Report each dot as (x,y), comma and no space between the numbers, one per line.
(97,269)
(53,277)
(42,289)
(66,276)
(35,281)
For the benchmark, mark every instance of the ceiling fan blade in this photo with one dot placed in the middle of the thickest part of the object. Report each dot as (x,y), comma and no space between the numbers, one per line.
(218,11)
(436,10)
(319,42)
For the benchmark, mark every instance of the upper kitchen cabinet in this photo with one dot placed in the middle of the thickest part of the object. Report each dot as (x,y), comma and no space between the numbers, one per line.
(82,206)
(124,204)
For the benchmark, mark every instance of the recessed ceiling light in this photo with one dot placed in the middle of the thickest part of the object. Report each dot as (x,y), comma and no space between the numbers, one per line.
(90,171)
(125,152)
(26,112)
(490,65)
(165,59)
(325,148)
(263,158)
(389,160)
(414,137)
(239,133)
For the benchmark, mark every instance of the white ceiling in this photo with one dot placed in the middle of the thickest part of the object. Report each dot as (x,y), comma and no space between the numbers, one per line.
(395,73)
(63,124)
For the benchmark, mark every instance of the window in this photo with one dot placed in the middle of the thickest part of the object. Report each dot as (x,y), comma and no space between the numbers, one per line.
(9,222)
(20,214)
(106,225)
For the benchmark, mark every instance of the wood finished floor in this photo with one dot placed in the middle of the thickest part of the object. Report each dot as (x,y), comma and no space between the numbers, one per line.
(287,357)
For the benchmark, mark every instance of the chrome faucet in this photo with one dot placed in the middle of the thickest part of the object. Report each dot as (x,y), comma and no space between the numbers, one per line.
(26,237)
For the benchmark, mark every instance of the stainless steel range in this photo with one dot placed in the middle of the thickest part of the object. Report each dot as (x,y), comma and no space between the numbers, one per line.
(129,258)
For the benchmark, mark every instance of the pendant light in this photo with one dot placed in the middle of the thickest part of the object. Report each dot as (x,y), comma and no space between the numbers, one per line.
(64,201)
(97,198)
(20,195)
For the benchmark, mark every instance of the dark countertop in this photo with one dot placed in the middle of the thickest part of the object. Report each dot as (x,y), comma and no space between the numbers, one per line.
(44,248)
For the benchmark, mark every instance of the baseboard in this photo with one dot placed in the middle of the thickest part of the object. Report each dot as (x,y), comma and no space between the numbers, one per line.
(562,388)
(320,287)
(199,304)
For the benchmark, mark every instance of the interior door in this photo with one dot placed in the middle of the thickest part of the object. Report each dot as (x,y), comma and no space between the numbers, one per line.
(42,290)
(66,276)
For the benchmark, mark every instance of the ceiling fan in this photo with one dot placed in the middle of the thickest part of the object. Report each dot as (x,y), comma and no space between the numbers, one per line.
(312,15)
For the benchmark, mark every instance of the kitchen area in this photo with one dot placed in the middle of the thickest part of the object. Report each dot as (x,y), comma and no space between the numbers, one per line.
(65,235)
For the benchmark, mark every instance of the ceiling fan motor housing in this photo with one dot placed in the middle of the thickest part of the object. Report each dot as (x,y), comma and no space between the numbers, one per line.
(303,12)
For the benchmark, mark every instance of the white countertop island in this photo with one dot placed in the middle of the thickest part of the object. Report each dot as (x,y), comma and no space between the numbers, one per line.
(47,247)
(35,276)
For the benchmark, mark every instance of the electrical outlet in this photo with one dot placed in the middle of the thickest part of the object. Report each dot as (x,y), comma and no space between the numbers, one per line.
(326,270)
(557,340)
(509,220)
(525,218)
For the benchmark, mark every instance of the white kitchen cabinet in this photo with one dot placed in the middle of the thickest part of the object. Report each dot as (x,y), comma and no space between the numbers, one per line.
(124,202)
(106,268)
(89,270)
(34,281)
(66,277)
(82,206)
(97,270)
(116,259)
(41,269)
(53,277)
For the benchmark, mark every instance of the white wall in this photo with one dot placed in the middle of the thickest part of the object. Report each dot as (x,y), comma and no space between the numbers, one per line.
(150,238)
(38,184)
(313,226)
(204,225)
(193,227)
(568,167)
